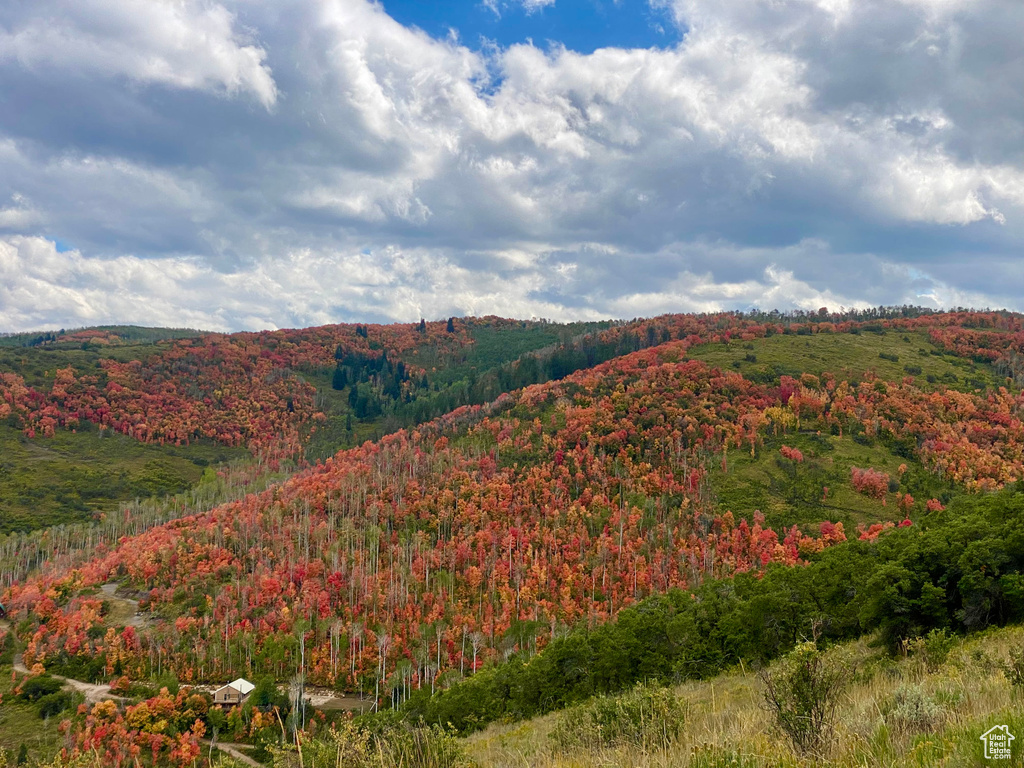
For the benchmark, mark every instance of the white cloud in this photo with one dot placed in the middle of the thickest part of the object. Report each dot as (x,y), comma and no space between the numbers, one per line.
(41,287)
(786,151)
(180,43)
(19,215)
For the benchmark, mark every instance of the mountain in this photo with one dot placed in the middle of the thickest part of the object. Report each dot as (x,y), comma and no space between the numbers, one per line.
(717,448)
(175,402)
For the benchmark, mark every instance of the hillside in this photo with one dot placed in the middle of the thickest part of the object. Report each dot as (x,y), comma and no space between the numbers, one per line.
(722,446)
(893,713)
(186,400)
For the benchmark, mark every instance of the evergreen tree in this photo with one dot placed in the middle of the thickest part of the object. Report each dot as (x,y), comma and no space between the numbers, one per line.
(340,378)
(451,325)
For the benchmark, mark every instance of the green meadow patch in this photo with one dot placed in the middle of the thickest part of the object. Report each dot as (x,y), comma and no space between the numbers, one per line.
(794,493)
(72,475)
(890,355)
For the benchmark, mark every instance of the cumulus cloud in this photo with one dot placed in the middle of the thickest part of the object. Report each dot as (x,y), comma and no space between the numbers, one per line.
(41,286)
(790,153)
(183,44)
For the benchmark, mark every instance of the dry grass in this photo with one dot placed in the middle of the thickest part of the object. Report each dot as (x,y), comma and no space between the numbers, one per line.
(725,724)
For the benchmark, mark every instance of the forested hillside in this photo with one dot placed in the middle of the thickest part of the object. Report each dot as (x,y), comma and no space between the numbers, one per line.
(701,467)
(185,400)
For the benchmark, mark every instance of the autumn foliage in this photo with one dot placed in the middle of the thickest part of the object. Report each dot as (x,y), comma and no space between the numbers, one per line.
(402,562)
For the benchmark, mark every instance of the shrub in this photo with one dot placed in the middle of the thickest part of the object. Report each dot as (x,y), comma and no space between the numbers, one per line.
(1014,668)
(55,703)
(911,710)
(344,745)
(934,648)
(646,717)
(802,694)
(394,742)
(36,688)
(870,482)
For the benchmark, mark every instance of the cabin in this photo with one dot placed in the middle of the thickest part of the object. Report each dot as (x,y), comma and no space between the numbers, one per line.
(235,692)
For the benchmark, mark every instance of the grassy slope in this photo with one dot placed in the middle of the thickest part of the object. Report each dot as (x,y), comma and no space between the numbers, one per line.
(791,494)
(46,481)
(849,356)
(725,725)
(66,478)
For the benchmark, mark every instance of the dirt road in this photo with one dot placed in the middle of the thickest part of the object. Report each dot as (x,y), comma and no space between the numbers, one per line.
(233,751)
(93,692)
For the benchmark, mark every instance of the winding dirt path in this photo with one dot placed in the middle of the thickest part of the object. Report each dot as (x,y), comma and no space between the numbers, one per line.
(233,751)
(94,693)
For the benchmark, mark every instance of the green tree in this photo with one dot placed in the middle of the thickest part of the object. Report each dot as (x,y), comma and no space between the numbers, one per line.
(340,378)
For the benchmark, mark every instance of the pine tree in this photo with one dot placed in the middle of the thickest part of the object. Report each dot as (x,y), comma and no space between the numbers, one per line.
(451,325)
(340,378)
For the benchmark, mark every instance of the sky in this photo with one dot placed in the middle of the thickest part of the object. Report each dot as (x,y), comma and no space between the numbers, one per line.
(251,164)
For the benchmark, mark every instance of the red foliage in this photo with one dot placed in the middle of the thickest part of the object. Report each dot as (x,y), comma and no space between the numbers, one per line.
(793,454)
(406,549)
(240,390)
(432,549)
(870,482)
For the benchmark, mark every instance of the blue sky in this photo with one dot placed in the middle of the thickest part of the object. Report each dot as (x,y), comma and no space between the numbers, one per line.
(248,164)
(579,25)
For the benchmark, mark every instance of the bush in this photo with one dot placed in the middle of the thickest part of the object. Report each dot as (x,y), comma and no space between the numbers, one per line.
(344,745)
(646,717)
(934,648)
(36,688)
(1014,668)
(433,747)
(802,694)
(55,703)
(911,710)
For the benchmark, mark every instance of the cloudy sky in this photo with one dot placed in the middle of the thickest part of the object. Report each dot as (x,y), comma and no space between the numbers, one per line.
(249,164)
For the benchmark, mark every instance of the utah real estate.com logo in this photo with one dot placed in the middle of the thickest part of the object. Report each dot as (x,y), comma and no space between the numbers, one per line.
(997,741)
